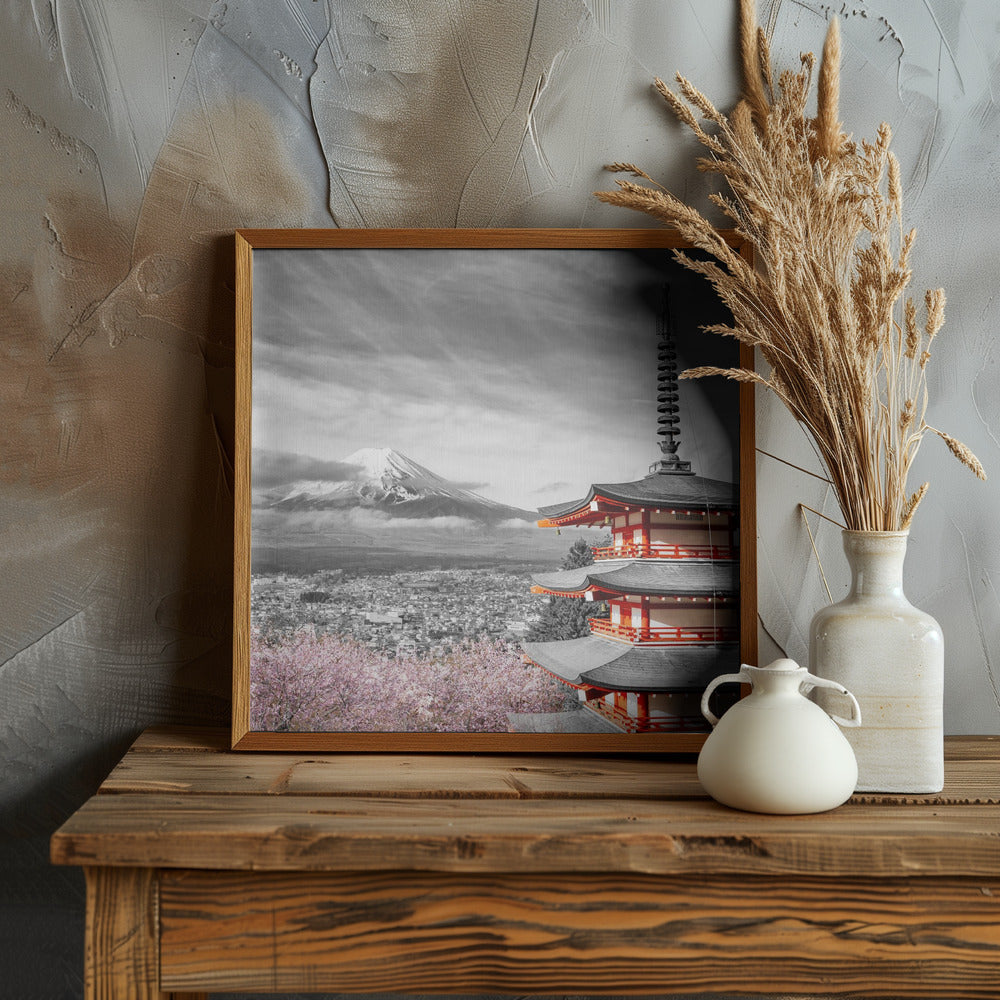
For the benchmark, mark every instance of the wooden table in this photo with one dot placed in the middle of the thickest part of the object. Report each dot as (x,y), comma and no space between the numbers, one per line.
(210,870)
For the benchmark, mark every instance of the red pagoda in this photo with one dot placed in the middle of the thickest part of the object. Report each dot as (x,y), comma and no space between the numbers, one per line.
(671,580)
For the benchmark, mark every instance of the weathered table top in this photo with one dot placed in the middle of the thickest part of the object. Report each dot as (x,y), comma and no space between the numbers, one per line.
(209,870)
(181,799)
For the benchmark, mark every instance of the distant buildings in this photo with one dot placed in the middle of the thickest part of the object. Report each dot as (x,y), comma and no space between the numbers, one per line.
(408,613)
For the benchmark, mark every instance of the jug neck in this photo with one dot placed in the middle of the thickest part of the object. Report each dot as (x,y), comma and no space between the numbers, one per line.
(876,561)
(782,676)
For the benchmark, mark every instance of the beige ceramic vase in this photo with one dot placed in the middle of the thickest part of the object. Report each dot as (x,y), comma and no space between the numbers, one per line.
(775,751)
(891,655)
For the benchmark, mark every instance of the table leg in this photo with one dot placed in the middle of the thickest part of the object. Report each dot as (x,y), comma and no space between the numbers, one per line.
(122,953)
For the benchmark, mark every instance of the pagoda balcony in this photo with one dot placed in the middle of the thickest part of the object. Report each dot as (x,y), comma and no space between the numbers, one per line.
(662,635)
(663,550)
(649,724)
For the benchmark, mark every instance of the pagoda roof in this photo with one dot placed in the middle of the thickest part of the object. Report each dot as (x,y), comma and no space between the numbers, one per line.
(612,666)
(652,577)
(577,720)
(658,489)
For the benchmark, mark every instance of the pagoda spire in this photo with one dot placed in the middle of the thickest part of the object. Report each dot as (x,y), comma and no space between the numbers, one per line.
(667,395)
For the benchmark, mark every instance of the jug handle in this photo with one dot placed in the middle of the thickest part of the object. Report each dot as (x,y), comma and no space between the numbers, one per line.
(741,678)
(812,681)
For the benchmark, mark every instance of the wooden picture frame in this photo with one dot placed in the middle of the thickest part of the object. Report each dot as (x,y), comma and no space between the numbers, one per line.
(488,335)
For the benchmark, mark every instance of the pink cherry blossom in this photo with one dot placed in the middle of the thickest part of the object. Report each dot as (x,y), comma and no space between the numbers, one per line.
(309,682)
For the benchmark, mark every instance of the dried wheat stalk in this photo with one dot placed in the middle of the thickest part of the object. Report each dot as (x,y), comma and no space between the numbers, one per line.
(823,215)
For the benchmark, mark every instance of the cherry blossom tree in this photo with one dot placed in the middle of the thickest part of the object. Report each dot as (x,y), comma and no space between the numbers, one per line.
(304,681)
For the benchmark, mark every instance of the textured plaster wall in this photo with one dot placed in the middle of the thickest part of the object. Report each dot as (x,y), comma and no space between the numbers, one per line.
(136,136)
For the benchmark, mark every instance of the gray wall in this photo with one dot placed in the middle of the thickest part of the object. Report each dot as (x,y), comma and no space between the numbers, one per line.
(137,136)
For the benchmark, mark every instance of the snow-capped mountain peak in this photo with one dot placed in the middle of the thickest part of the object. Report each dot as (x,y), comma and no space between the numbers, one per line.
(385,463)
(396,485)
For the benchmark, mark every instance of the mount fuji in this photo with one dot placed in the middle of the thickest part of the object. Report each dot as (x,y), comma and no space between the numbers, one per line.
(396,485)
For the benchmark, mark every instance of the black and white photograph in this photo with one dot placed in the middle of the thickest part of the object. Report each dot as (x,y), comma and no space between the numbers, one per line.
(481,498)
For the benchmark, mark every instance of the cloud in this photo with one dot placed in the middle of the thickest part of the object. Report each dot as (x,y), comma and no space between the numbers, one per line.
(551,487)
(366,520)
(276,468)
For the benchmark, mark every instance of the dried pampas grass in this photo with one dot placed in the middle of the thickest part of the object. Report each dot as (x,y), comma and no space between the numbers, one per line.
(824,217)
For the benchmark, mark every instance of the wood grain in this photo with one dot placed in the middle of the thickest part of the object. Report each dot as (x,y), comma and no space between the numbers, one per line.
(241,490)
(469,743)
(963,784)
(413,933)
(121,954)
(174,801)
(203,739)
(401,776)
(213,870)
(538,835)
(485,239)
(196,772)
(972,748)
(158,740)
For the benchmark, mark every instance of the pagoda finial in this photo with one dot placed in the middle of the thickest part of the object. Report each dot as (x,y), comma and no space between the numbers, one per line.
(667,395)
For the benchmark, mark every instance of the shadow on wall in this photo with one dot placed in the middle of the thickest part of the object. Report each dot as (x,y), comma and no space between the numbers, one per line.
(43,905)
(197,614)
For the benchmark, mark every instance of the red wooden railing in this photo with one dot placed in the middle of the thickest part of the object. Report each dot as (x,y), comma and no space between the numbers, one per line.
(662,635)
(650,724)
(661,550)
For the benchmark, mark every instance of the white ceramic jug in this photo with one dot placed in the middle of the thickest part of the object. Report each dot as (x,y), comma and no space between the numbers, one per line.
(775,751)
(891,655)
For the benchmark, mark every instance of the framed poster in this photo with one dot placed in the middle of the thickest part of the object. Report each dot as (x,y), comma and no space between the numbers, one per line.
(476,509)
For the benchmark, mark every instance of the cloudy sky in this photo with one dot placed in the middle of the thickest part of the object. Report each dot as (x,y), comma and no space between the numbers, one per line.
(525,375)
